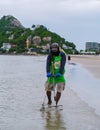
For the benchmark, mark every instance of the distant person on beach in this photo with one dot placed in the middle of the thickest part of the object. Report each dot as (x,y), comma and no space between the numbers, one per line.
(55,65)
(69,59)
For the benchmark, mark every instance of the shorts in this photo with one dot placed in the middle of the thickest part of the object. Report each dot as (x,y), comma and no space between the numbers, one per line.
(58,86)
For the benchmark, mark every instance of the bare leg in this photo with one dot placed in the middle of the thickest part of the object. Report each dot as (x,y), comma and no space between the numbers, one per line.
(57,98)
(49,97)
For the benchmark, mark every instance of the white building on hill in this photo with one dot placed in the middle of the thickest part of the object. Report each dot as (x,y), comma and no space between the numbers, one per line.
(6,46)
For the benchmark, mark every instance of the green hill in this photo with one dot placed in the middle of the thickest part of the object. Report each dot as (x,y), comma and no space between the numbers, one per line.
(13,32)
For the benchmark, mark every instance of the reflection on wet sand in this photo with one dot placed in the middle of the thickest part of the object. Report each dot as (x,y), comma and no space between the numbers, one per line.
(53,119)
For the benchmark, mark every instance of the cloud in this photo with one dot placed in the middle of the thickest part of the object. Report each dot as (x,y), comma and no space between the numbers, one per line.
(51,7)
(72,19)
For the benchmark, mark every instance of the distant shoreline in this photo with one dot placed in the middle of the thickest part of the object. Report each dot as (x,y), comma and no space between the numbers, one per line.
(90,62)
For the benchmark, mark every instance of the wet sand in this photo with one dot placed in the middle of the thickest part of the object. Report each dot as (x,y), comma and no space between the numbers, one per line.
(22,94)
(90,62)
(80,116)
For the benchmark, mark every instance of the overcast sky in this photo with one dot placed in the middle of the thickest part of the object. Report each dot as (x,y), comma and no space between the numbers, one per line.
(77,21)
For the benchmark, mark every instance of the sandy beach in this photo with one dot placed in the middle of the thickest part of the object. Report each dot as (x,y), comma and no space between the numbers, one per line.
(90,62)
(22,94)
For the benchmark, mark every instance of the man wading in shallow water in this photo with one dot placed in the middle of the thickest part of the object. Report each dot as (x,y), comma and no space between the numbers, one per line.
(55,64)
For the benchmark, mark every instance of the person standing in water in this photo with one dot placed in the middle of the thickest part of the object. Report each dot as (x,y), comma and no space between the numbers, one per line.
(69,59)
(55,69)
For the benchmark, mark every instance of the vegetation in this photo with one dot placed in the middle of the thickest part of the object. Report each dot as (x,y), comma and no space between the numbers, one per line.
(10,33)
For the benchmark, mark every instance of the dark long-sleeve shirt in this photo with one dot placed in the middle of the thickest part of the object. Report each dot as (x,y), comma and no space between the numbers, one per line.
(63,61)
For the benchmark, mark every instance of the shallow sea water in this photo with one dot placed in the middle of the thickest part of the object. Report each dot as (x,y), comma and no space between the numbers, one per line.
(22,93)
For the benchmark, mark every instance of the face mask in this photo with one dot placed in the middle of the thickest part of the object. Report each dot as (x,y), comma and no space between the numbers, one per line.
(54,49)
